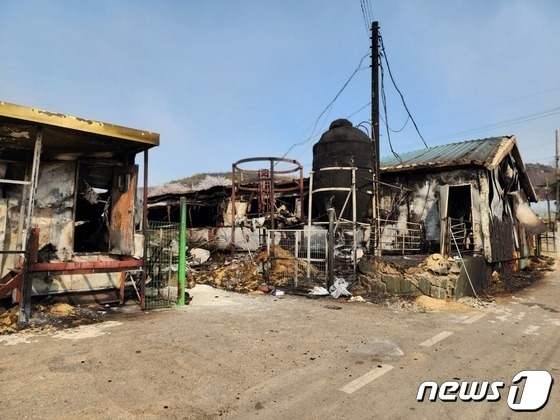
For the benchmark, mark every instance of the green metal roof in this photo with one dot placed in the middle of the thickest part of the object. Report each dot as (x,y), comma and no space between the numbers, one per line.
(485,152)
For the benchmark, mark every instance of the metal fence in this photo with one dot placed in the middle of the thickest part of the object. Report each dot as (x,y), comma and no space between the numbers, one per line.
(461,236)
(400,237)
(162,262)
(546,242)
(297,258)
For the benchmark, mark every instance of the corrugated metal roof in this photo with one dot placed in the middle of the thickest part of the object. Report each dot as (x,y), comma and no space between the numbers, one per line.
(484,152)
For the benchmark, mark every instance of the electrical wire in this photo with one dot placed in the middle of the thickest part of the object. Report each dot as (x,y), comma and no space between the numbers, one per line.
(384,56)
(364,14)
(359,110)
(384,102)
(517,120)
(402,128)
(327,108)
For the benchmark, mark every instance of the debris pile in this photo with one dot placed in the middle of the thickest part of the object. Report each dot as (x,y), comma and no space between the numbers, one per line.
(51,313)
(252,273)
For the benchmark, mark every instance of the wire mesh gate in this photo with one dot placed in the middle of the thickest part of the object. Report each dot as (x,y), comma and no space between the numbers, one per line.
(546,241)
(162,264)
(297,259)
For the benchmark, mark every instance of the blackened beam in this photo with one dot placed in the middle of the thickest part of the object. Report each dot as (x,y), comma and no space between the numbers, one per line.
(388,185)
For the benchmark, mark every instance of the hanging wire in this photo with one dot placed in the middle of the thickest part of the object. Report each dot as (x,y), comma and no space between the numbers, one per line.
(327,108)
(359,110)
(402,128)
(384,56)
(384,102)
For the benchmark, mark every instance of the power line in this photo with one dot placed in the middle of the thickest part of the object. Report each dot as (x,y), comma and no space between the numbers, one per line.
(384,55)
(384,102)
(359,110)
(364,14)
(301,143)
(505,123)
(400,129)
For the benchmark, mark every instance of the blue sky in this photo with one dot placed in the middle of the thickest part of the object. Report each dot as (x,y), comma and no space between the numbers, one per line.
(227,80)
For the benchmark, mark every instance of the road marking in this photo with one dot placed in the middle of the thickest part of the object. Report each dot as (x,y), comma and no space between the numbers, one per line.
(365,379)
(436,338)
(474,318)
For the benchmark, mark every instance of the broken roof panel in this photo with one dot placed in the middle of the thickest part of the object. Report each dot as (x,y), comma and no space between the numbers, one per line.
(485,152)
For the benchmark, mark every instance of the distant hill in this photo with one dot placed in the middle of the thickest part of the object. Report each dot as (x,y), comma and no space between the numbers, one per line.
(194,180)
(539,175)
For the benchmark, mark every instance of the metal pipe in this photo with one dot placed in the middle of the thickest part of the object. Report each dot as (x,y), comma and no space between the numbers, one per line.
(233,182)
(145,233)
(354,248)
(27,280)
(182,253)
(272,201)
(330,248)
(309,218)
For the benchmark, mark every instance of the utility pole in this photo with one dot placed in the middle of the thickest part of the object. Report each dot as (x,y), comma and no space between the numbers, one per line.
(556,178)
(375,132)
(556,187)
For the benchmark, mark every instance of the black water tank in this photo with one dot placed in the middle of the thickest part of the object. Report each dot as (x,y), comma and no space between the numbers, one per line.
(342,146)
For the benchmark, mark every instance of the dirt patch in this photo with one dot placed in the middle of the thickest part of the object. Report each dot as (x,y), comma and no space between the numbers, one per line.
(429,304)
(501,284)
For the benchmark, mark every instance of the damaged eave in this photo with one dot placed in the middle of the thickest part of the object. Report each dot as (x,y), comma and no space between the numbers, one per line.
(22,113)
(527,185)
(505,146)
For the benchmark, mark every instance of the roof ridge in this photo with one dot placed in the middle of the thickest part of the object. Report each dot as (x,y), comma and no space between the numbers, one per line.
(389,157)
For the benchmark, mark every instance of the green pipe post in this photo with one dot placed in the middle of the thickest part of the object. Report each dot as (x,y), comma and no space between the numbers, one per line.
(182,253)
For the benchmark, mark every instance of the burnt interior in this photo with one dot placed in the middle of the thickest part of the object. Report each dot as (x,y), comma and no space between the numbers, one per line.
(92,213)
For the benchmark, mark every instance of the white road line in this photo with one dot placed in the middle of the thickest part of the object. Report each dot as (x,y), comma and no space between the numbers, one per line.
(365,379)
(436,338)
(474,318)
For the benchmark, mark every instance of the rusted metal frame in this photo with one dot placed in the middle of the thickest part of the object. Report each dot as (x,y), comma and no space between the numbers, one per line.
(69,267)
(256,189)
(272,199)
(256,159)
(145,233)
(262,192)
(27,281)
(122,281)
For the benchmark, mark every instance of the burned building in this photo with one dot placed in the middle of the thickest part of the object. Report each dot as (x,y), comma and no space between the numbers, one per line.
(472,197)
(70,220)
(210,217)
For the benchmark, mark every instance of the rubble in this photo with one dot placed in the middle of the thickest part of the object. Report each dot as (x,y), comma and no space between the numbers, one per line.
(249,272)
(52,313)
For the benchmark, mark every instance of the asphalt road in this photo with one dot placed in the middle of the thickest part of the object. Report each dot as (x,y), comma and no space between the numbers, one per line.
(246,357)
